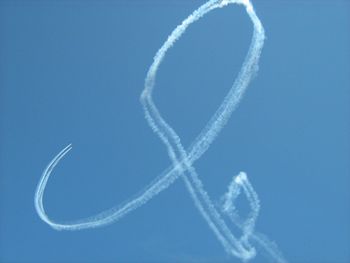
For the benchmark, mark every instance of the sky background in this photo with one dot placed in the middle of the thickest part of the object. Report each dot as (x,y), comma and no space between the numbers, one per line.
(72,72)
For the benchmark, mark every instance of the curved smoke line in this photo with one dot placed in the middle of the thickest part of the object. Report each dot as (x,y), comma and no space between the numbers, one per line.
(182,159)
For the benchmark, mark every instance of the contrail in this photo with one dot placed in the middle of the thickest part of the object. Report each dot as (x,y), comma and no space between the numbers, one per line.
(183,160)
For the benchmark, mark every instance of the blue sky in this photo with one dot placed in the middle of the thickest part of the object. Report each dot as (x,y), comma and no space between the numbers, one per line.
(72,72)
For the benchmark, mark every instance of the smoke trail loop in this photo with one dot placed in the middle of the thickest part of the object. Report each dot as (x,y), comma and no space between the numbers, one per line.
(182,159)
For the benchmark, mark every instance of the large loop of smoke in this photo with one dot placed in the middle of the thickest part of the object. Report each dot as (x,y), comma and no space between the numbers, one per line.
(183,160)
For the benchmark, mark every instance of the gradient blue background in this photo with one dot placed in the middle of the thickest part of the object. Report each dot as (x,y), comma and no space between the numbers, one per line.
(72,72)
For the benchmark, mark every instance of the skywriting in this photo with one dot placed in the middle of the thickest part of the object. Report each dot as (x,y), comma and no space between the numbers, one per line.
(183,160)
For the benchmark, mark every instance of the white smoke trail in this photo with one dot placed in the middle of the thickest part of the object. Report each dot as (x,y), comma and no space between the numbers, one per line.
(171,140)
(247,226)
(182,162)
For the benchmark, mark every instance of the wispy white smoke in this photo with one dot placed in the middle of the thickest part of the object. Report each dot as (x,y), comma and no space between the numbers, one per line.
(247,226)
(182,160)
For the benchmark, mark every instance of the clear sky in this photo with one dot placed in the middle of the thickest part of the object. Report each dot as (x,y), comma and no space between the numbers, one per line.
(72,72)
